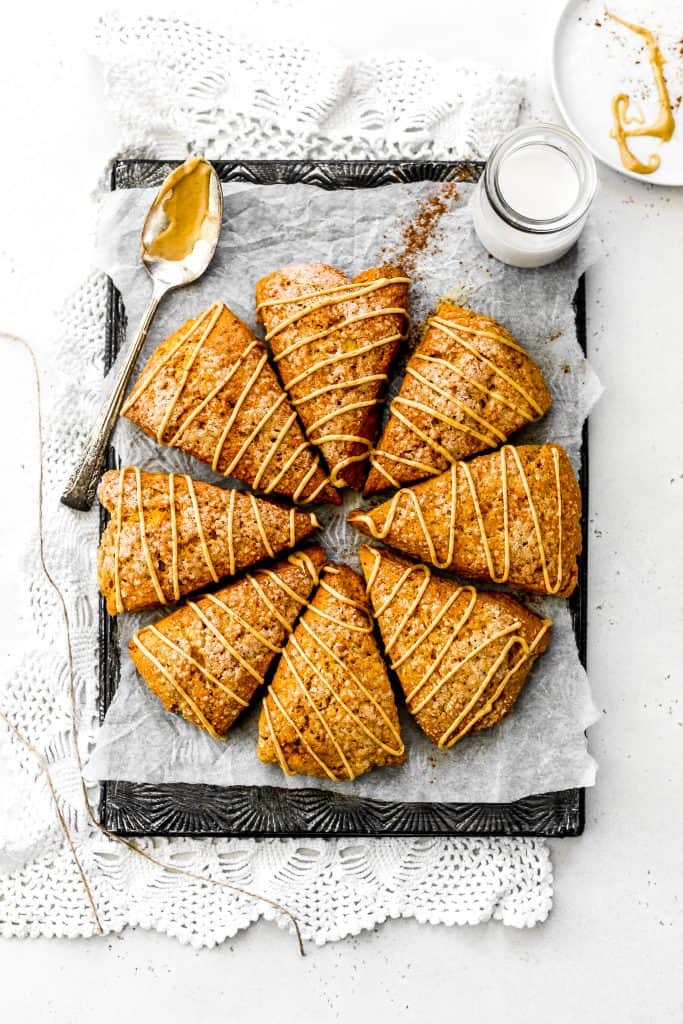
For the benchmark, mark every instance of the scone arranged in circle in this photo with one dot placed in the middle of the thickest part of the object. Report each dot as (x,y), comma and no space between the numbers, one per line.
(333,340)
(210,390)
(207,659)
(462,656)
(330,709)
(467,387)
(510,517)
(169,535)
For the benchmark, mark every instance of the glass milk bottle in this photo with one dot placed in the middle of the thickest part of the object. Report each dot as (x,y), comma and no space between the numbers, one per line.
(533,198)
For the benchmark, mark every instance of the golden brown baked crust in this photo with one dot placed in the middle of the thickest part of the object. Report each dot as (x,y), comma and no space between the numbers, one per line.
(462,656)
(510,517)
(334,340)
(207,659)
(468,386)
(169,535)
(330,710)
(210,390)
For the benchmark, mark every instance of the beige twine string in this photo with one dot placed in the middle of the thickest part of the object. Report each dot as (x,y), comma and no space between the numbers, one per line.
(40,759)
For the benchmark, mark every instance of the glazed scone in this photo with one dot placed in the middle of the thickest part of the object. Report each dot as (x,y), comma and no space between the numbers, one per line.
(510,517)
(208,658)
(467,387)
(169,535)
(209,390)
(330,709)
(333,341)
(462,656)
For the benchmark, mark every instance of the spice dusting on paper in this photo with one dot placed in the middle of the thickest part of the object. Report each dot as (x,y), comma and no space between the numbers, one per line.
(417,234)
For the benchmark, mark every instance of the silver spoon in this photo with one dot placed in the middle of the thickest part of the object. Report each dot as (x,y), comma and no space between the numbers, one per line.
(179,238)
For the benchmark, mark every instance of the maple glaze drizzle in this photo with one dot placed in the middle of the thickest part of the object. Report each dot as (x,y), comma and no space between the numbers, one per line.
(310,663)
(201,534)
(662,127)
(509,636)
(330,297)
(479,427)
(299,559)
(203,325)
(409,495)
(185,198)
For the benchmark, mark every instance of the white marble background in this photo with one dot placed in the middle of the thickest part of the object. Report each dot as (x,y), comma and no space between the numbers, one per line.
(611,947)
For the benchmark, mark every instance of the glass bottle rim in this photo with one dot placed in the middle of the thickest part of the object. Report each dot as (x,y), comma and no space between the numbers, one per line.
(570,146)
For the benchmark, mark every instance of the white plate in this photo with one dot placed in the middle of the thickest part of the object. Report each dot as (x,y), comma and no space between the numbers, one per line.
(594,58)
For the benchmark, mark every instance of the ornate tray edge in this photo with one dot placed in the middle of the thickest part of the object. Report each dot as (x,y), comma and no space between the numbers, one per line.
(198,810)
(135,809)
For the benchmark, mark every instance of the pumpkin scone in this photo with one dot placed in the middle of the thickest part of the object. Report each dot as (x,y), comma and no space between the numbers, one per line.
(513,517)
(210,390)
(169,534)
(207,659)
(467,387)
(462,656)
(330,709)
(333,340)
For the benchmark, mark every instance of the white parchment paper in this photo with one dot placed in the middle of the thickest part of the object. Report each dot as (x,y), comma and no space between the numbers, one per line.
(541,746)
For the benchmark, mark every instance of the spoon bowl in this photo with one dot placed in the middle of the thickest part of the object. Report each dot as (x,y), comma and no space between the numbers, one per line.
(182,228)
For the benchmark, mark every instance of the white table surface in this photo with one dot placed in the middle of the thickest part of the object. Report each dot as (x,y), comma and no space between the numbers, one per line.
(611,949)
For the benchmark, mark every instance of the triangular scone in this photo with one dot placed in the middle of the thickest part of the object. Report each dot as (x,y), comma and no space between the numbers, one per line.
(169,535)
(510,517)
(330,709)
(209,390)
(462,656)
(468,386)
(333,341)
(207,659)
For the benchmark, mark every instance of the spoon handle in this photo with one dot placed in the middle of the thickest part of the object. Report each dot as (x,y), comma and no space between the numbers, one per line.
(79,493)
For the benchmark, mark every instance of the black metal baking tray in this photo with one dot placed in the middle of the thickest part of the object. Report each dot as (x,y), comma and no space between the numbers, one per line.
(200,810)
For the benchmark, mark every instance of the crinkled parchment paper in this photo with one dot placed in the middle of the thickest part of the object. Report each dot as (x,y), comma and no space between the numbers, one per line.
(541,746)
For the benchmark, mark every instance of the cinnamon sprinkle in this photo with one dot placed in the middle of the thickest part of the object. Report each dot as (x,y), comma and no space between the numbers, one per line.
(417,234)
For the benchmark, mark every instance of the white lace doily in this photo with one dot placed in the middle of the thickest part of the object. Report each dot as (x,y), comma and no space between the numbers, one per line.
(176,87)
